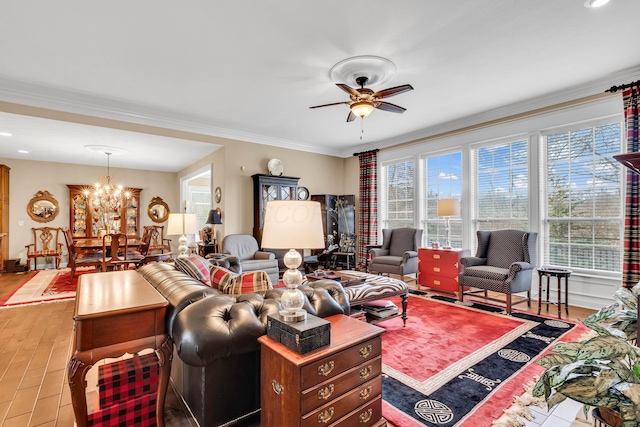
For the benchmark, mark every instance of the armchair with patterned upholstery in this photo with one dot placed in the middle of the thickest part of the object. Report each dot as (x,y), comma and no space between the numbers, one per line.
(245,248)
(504,263)
(398,253)
(45,244)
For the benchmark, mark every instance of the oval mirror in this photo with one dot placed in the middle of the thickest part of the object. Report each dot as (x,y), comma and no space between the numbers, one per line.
(43,207)
(158,210)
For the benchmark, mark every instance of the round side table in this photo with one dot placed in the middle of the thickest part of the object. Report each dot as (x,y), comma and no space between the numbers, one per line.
(560,273)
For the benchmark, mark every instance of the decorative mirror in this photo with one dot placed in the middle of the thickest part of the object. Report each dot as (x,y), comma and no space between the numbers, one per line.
(43,207)
(158,210)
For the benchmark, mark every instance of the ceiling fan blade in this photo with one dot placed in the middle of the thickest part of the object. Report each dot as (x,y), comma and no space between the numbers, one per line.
(351,91)
(328,105)
(351,117)
(387,106)
(386,93)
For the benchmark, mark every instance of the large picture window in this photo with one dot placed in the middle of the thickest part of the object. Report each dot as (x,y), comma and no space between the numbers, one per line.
(583,221)
(442,180)
(501,186)
(398,182)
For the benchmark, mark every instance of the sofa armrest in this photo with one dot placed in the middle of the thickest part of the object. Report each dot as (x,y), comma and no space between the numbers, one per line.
(264,255)
(471,261)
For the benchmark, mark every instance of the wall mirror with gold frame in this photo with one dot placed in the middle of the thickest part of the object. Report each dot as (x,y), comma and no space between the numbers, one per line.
(43,207)
(158,210)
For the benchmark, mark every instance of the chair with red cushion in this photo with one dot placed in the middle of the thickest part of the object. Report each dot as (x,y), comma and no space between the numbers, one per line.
(45,245)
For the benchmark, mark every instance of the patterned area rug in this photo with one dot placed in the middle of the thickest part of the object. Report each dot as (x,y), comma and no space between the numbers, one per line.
(461,365)
(46,286)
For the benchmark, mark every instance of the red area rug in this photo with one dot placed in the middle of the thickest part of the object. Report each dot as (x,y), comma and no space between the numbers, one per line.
(454,365)
(45,286)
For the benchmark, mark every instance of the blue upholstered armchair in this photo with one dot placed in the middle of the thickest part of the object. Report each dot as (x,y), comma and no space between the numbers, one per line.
(398,253)
(504,263)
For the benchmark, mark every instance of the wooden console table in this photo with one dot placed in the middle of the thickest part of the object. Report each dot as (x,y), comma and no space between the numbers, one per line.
(339,384)
(116,313)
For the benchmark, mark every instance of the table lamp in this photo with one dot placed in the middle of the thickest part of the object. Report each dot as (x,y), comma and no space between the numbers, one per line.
(448,208)
(214,218)
(182,224)
(292,224)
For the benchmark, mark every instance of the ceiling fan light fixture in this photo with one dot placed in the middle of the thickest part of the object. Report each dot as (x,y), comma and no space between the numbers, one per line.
(362,108)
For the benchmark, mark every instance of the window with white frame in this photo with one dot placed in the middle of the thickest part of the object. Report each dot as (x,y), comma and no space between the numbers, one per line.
(398,193)
(501,186)
(584,216)
(442,180)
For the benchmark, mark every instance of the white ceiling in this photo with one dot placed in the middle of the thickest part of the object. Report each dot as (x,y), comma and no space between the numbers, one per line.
(249,70)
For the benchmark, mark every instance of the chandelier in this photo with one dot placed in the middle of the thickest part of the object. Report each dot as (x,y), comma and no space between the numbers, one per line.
(107,197)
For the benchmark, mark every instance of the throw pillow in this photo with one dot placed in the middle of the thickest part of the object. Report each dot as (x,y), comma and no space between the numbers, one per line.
(221,278)
(195,266)
(247,283)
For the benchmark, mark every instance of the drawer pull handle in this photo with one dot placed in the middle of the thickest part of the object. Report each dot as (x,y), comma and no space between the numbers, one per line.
(436,269)
(365,351)
(365,372)
(366,416)
(324,417)
(326,369)
(436,256)
(436,282)
(456,265)
(277,387)
(365,393)
(325,393)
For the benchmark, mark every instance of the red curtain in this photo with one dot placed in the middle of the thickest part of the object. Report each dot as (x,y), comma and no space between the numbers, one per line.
(368,218)
(631,262)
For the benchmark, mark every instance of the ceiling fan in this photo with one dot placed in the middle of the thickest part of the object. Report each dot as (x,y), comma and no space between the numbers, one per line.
(364,100)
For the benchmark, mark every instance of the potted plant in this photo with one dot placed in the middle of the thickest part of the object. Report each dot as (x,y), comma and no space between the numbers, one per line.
(601,372)
(619,319)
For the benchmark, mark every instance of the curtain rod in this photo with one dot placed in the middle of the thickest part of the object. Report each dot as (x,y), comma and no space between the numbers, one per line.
(621,87)
(366,152)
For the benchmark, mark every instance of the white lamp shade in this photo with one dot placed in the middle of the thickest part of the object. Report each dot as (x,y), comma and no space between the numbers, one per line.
(293,224)
(179,224)
(448,207)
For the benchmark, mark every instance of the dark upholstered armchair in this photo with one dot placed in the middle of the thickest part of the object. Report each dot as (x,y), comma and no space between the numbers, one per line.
(246,249)
(504,263)
(398,253)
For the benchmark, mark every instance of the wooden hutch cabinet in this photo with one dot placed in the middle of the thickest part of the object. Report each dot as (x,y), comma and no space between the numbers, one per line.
(267,188)
(87,217)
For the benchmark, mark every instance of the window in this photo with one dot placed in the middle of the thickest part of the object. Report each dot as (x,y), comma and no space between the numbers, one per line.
(398,182)
(583,218)
(501,187)
(442,180)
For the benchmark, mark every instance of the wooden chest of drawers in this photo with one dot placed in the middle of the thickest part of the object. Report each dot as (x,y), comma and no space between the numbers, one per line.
(336,385)
(438,268)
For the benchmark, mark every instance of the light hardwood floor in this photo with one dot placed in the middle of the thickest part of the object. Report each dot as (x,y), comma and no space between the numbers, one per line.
(35,344)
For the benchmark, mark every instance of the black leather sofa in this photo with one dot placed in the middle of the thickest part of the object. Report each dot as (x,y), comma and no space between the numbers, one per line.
(216,363)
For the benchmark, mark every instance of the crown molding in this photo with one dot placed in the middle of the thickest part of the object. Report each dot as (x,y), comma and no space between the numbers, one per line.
(34,95)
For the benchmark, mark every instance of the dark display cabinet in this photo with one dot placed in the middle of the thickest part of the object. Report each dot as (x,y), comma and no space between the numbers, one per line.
(265,189)
(338,214)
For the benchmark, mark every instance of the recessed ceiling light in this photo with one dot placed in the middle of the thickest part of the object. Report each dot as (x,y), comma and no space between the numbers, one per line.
(595,3)
(23,151)
(5,134)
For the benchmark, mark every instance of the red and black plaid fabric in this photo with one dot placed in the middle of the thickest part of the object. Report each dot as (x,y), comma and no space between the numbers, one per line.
(368,220)
(631,260)
(140,411)
(126,379)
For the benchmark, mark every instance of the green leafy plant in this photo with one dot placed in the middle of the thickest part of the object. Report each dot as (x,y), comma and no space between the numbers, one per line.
(602,372)
(619,319)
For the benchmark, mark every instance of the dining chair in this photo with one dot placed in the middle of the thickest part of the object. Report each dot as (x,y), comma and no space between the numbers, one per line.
(116,254)
(79,259)
(45,245)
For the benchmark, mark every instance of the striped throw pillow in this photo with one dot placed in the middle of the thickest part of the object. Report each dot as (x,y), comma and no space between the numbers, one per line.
(247,283)
(195,266)
(221,278)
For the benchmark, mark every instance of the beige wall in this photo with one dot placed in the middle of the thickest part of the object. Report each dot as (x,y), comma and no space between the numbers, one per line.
(29,177)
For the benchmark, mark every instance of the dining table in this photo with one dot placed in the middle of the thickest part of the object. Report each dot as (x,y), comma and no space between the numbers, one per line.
(93,244)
